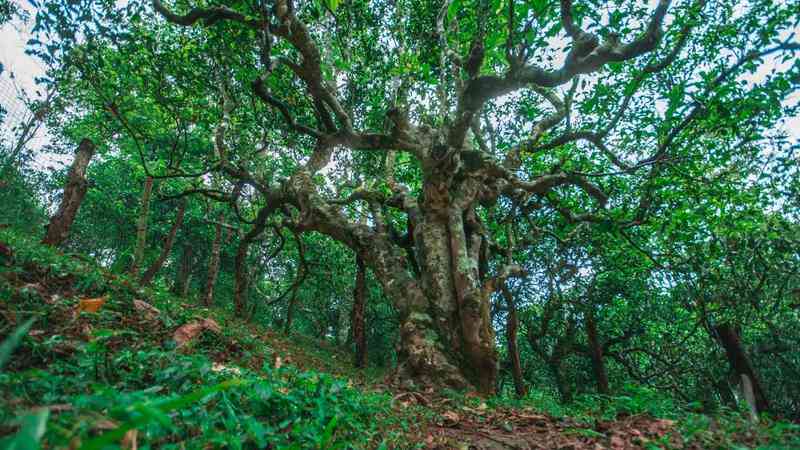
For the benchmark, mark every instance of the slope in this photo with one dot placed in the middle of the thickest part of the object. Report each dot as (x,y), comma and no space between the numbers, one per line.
(100,362)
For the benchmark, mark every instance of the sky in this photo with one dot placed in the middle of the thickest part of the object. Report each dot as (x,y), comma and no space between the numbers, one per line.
(24,69)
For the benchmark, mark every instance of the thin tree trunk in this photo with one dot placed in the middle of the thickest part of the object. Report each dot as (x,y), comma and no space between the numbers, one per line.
(184,273)
(740,363)
(359,305)
(241,279)
(213,263)
(167,248)
(74,191)
(596,353)
(141,227)
(512,325)
(563,387)
(287,327)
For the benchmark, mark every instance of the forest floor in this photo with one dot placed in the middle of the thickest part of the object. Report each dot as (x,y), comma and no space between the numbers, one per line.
(105,363)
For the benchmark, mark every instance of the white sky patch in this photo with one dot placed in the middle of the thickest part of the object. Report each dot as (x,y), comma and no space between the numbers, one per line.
(18,81)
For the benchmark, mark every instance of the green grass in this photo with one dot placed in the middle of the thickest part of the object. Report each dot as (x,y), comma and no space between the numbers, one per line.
(86,379)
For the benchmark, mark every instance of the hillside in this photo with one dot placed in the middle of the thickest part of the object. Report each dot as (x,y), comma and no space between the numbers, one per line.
(135,373)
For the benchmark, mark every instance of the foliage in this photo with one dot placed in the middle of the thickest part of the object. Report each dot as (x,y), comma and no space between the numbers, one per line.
(594,202)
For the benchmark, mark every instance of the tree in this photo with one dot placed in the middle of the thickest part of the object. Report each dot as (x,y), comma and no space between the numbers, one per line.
(141,227)
(169,240)
(443,138)
(74,191)
(359,307)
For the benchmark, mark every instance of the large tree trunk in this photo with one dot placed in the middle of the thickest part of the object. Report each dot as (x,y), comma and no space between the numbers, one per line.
(213,263)
(141,227)
(740,363)
(74,191)
(169,240)
(596,353)
(512,326)
(357,320)
(184,273)
(446,336)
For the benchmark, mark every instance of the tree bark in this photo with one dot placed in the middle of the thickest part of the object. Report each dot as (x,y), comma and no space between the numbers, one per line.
(740,363)
(446,337)
(74,191)
(184,274)
(512,326)
(169,240)
(596,353)
(241,281)
(563,387)
(141,227)
(290,307)
(357,321)
(213,263)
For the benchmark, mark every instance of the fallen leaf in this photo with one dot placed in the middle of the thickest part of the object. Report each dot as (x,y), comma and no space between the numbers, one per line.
(211,324)
(191,330)
(54,408)
(617,443)
(536,419)
(149,311)
(105,424)
(91,305)
(86,331)
(217,367)
(129,441)
(451,418)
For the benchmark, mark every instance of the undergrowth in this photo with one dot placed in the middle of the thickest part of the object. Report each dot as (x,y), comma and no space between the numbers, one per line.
(85,380)
(100,380)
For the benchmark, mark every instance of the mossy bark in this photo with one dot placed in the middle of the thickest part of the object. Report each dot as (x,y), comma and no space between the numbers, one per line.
(74,191)
(141,227)
(358,320)
(213,263)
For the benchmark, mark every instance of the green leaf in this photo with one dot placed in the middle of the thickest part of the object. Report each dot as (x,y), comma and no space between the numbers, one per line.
(157,412)
(12,341)
(332,4)
(30,434)
(327,435)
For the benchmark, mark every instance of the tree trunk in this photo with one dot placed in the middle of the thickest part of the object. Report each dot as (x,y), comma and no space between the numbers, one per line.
(141,227)
(169,240)
(512,325)
(561,384)
(596,353)
(287,327)
(213,263)
(446,335)
(184,274)
(241,282)
(740,363)
(74,191)
(357,320)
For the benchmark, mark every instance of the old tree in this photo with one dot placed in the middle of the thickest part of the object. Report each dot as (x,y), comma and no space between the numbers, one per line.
(440,141)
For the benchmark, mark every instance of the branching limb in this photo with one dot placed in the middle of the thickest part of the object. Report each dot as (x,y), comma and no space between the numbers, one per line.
(209,16)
